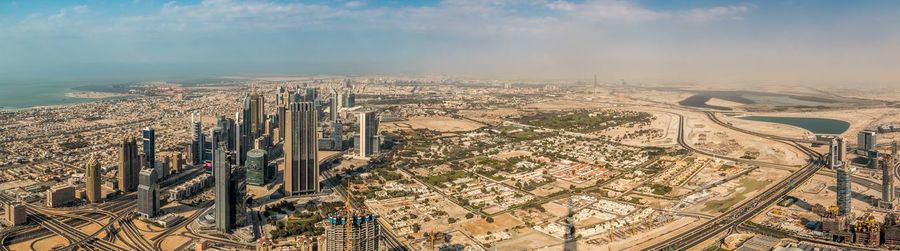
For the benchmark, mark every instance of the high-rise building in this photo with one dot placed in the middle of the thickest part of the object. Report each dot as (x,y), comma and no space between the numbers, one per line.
(92,180)
(887,181)
(257,172)
(349,100)
(368,129)
(335,104)
(337,135)
(866,141)
(843,175)
(197,144)
(230,189)
(301,169)
(148,193)
(129,165)
(222,174)
(241,139)
(149,147)
(228,130)
(177,162)
(887,177)
(257,114)
(311,95)
(15,214)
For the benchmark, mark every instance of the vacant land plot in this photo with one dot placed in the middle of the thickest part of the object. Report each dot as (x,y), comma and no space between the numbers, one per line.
(437,123)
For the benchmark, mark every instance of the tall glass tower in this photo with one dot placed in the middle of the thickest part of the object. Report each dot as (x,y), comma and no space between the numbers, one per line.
(149,147)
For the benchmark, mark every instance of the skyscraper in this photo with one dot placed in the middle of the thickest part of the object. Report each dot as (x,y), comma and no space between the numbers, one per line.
(148,193)
(129,165)
(257,173)
(222,177)
(843,174)
(887,178)
(241,139)
(252,123)
(257,114)
(368,128)
(335,104)
(337,135)
(149,147)
(301,170)
(231,190)
(92,180)
(197,143)
(228,130)
(349,100)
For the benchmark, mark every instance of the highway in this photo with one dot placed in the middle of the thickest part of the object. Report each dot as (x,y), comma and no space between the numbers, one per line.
(745,210)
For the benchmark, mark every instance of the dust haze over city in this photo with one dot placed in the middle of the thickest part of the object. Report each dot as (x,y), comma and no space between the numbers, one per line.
(449,125)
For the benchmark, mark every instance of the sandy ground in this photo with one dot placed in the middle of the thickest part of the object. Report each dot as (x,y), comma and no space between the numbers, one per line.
(437,123)
(494,117)
(724,103)
(525,239)
(704,134)
(666,124)
(501,222)
(173,241)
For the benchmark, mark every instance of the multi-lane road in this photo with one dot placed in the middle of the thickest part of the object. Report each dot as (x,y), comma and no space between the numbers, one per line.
(745,210)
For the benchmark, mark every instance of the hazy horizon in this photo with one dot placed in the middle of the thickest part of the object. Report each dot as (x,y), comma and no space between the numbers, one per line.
(728,42)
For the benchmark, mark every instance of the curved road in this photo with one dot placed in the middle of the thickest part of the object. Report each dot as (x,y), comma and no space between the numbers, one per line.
(745,210)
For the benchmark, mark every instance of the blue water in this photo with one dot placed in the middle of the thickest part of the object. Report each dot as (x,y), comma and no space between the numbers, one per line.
(24,95)
(815,125)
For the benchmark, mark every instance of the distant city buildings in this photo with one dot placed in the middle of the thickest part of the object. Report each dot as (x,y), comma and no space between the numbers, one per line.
(301,169)
(129,165)
(148,193)
(92,180)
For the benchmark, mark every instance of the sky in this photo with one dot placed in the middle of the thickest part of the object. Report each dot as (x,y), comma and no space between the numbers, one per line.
(714,42)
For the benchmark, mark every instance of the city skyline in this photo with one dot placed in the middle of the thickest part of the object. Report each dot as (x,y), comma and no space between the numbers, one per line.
(711,42)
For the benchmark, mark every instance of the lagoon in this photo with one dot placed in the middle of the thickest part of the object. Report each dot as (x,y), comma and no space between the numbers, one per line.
(815,125)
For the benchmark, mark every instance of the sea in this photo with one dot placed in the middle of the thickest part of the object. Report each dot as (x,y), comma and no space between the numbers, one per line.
(18,95)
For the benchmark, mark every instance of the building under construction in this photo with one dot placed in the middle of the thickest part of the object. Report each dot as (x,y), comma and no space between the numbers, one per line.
(353,232)
(891,231)
(867,231)
(835,225)
(351,229)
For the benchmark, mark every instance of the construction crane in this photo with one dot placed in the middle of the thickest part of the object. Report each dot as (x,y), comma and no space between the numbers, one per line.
(348,228)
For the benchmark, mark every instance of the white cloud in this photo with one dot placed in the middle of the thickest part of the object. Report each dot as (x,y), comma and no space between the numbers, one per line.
(355,4)
(716,13)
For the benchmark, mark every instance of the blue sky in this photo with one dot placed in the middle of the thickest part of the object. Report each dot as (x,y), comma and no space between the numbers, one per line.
(806,42)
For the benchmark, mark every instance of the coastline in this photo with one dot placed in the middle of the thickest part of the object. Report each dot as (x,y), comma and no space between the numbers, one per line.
(92,95)
(83,96)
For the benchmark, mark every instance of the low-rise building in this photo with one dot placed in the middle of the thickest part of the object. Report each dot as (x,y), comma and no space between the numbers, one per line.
(60,195)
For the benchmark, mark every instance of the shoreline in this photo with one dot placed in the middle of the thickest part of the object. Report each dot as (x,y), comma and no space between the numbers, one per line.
(92,95)
(85,96)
